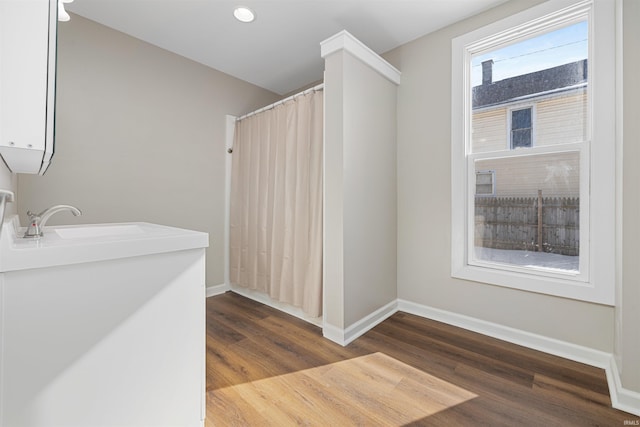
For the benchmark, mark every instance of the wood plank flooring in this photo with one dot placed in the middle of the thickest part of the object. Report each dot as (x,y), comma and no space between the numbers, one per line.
(266,368)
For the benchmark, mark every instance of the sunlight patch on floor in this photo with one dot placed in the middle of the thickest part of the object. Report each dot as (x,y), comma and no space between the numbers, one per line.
(375,389)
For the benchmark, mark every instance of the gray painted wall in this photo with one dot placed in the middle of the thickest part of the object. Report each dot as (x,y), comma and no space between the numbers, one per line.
(333,222)
(628,307)
(140,136)
(369,190)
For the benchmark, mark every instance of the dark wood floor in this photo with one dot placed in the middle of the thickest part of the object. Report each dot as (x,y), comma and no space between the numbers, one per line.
(267,368)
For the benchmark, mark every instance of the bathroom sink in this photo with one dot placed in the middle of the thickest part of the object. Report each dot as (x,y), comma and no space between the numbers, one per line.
(98,231)
(74,244)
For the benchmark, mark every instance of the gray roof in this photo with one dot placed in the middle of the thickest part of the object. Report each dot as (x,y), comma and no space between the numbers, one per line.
(567,76)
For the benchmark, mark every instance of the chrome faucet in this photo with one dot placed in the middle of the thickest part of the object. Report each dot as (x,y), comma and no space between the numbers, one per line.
(37,221)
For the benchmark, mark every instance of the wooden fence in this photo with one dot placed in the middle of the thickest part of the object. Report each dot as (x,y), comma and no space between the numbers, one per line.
(546,224)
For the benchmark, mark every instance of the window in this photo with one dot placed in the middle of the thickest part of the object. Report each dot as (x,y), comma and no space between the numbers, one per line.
(521,128)
(485,183)
(522,132)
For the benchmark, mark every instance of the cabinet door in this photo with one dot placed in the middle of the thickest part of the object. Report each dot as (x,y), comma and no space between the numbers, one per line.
(27,83)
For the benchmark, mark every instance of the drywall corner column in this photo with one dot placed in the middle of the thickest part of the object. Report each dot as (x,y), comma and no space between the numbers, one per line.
(333,256)
(629,306)
(359,189)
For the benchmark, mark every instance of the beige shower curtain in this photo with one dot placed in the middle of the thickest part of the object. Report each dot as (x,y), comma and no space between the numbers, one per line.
(276,203)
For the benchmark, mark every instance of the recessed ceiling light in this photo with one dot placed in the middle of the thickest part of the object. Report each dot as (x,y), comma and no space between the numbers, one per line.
(244,14)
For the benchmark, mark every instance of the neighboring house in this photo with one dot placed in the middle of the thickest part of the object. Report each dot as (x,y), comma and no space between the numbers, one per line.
(545,107)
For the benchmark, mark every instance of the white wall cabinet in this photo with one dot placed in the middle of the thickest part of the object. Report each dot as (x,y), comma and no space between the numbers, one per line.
(28,39)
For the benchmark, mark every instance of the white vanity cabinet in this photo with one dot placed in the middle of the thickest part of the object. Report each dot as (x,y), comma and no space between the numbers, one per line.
(28,36)
(102,325)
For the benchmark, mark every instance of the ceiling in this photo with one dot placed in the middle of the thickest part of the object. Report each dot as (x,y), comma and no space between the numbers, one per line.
(280,50)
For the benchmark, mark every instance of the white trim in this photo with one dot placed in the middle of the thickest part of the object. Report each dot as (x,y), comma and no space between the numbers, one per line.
(598,220)
(324,203)
(621,398)
(516,336)
(361,327)
(602,213)
(334,333)
(284,307)
(345,41)
(619,142)
(2,344)
(535,20)
(212,291)
(229,136)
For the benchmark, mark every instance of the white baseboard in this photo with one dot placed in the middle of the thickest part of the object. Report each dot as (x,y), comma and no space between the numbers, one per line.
(267,300)
(621,398)
(333,333)
(570,351)
(362,326)
(212,291)
(625,400)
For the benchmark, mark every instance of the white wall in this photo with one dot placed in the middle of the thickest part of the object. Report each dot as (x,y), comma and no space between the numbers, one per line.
(360,189)
(424,200)
(140,136)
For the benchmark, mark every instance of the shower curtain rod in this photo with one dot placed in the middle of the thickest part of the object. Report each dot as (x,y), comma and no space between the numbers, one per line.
(282,101)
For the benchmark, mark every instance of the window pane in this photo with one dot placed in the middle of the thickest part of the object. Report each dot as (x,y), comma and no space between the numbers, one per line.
(521,119)
(533,220)
(520,138)
(483,178)
(548,71)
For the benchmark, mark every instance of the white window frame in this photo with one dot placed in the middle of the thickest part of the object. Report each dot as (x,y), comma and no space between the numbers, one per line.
(596,281)
(510,111)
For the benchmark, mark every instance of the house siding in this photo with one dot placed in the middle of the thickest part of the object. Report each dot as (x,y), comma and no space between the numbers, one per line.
(558,119)
(556,174)
(490,130)
(561,120)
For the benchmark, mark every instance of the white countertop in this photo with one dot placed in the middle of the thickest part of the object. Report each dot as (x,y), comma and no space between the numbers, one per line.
(73,244)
